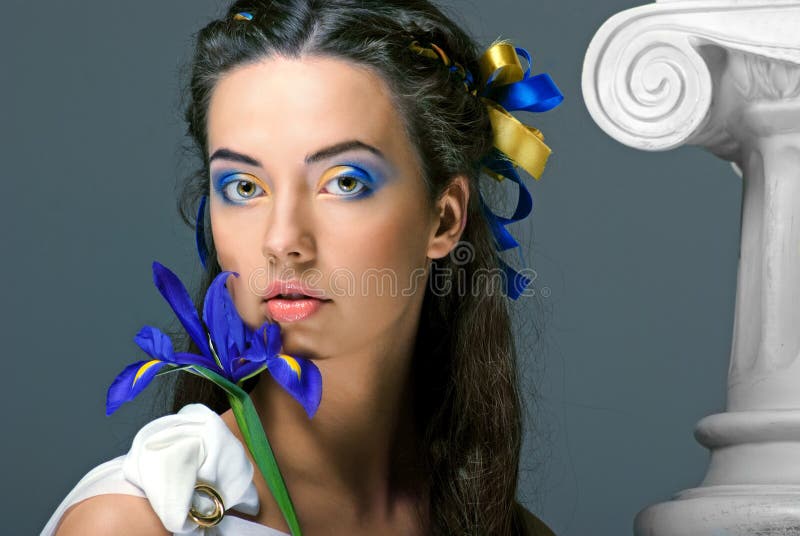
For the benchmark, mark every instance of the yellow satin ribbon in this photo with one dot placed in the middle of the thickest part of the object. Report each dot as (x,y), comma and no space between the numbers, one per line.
(499,66)
(524,145)
(436,53)
(502,59)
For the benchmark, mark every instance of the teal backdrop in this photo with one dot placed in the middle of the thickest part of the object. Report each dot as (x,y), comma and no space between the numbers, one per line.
(635,255)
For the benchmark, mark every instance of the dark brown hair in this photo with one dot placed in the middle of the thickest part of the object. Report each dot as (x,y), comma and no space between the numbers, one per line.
(466,399)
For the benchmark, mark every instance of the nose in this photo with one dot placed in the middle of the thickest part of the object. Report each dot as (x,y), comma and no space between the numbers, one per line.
(288,238)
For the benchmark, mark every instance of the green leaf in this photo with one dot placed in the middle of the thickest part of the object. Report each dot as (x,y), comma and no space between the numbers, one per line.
(256,439)
(256,373)
(171,368)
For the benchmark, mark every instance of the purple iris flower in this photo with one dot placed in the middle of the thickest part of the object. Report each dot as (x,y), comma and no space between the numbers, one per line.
(228,347)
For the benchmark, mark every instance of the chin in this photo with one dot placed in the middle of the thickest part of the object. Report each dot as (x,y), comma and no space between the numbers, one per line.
(299,345)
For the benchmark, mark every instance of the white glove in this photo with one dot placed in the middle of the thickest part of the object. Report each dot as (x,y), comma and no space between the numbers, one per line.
(173,453)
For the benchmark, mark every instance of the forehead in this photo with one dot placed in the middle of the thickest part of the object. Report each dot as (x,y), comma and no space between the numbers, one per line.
(288,106)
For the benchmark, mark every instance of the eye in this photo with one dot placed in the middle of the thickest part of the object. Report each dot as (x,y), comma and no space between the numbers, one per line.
(352,182)
(240,190)
(348,185)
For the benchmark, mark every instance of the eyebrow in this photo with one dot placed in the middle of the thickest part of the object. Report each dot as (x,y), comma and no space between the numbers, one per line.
(322,154)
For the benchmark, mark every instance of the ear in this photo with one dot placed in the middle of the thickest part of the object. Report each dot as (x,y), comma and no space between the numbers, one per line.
(450,218)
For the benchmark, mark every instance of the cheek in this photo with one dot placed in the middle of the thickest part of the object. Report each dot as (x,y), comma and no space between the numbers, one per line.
(397,243)
(396,246)
(236,238)
(238,243)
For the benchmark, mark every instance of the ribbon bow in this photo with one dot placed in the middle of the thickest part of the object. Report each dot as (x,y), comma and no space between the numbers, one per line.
(505,86)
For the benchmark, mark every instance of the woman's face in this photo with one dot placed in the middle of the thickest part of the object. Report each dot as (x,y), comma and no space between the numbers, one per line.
(314,179)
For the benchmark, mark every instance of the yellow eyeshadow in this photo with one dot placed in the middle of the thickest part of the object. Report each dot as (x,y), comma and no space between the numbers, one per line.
(333,172)
(256,180)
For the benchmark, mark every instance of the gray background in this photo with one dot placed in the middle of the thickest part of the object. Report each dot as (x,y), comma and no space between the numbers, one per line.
(639,251)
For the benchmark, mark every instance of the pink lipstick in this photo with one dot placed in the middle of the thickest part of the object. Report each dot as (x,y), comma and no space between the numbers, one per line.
(291,310)
(290,301)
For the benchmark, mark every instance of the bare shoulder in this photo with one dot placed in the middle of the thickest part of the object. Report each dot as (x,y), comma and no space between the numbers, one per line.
(533,525)
(111,514)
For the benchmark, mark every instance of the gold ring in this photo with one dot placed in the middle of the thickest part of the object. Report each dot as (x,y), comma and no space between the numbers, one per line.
(208,520)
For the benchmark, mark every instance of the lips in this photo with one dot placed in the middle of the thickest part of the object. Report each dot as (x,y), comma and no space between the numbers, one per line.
(291,290)
(290,301)
(292,310)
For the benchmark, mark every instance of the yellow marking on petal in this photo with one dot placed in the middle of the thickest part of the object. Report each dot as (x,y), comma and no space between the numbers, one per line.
(292,362)
(144,369)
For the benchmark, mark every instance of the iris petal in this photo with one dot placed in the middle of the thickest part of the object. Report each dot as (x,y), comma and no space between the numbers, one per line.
(154,343)
(232,352)
(300,378)
(244,367)
(178,298)
(183,358)
(131,382)
(266,339)
(272,334)
(226,327)
(261,345)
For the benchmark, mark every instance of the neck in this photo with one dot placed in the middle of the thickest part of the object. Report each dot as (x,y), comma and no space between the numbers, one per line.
(359,445)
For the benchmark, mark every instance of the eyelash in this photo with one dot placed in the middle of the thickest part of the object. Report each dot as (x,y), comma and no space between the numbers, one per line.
(227,187)
(355,194)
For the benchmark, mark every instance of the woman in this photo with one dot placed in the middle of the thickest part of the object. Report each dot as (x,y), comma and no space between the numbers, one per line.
(337,149)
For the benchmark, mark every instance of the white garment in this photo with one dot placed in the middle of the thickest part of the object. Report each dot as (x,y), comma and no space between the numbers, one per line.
(168,457)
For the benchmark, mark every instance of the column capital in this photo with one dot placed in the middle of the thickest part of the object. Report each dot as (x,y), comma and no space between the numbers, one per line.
(725,75)
(681,72)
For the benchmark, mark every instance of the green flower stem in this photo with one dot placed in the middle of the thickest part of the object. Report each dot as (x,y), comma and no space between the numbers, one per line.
(256,440)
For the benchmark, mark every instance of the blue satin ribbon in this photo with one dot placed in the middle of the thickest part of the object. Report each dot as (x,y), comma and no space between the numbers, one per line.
(532,94)
(200,232)
(515,282)
(496,162)
(536,94)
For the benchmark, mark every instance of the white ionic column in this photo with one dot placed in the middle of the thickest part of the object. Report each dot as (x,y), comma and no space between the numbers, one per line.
(725,75)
